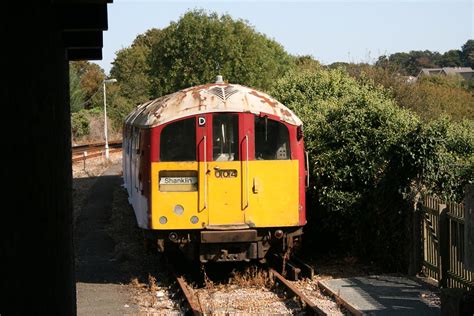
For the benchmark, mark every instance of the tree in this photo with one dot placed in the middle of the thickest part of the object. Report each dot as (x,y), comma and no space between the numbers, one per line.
(452,58)
(468,53)
(75,91)
(91,81)
(199,46)
(131,68)
(413,61)
(307,62)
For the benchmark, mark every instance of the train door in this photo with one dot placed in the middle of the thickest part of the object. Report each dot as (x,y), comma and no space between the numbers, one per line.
(224,171)
(274,174)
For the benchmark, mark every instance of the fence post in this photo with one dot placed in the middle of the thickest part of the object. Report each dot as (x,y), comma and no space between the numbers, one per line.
(469,227)
(416,243)
(443,245)
(84,157)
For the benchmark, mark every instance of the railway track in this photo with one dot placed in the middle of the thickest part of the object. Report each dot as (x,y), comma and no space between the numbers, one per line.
(190,303)
(291,291)
(87,151)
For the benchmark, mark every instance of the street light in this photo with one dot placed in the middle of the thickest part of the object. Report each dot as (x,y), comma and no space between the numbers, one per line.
(105,118)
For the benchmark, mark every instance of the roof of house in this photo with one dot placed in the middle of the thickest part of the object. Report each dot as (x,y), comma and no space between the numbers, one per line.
(446,70)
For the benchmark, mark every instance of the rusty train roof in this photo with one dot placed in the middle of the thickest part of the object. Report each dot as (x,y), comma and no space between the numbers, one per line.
(205,99)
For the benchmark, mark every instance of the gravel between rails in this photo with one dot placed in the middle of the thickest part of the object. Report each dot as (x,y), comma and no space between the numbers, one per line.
(237,300)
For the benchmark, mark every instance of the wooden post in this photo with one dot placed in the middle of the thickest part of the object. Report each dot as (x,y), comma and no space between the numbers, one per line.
(469,227)
(84,159)
(443,240)
(416,243)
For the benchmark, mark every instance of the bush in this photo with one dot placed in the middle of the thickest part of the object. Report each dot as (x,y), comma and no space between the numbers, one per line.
(441,154)
(350,130)
(88,126)
(368,160)
(80,124)
(430,97)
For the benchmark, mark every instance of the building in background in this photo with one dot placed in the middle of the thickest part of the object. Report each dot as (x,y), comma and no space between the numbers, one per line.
(465,72)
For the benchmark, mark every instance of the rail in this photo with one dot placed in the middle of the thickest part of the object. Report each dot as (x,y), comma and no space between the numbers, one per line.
(189,300)
(309,307)
(95,146)
(93,150)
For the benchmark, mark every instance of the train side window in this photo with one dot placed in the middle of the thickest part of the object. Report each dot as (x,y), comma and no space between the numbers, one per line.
(178,141)
(225,134)
(272,141)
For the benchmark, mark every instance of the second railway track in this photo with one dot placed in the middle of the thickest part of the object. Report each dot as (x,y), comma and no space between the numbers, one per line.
(87,151)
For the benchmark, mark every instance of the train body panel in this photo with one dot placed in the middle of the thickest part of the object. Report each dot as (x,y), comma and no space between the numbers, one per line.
(167,196)
(273,194)
(227,178)
(265,197)
(135,164)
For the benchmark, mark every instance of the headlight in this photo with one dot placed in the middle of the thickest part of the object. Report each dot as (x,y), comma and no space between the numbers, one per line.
(178,209)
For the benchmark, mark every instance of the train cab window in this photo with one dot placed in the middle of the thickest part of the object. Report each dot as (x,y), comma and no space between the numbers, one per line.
(178,141)
(272,141)
(225,131)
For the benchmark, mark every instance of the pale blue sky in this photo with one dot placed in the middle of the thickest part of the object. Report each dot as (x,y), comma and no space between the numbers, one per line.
(330,31)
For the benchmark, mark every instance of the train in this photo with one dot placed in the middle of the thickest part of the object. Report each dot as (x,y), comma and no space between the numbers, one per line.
(217,171)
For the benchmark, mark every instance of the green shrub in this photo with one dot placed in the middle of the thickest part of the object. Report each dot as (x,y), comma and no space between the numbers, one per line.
(368,160)
(80,124)
(441,154)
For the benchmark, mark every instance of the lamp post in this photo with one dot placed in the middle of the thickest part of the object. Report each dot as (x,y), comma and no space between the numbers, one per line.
(105,118)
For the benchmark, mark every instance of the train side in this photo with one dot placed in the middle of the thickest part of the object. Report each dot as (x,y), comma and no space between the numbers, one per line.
(217,171)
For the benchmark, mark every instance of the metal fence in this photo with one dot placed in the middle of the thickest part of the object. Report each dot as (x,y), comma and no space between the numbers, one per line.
(443,244)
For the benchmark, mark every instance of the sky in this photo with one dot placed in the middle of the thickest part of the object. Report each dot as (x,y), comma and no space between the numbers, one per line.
(330,31)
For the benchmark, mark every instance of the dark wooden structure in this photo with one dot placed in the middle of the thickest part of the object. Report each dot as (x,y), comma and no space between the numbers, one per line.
(443,230)
(446,232)
(469,224)
(39,39)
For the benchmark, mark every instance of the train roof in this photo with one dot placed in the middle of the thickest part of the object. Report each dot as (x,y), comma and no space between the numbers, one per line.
(216,97)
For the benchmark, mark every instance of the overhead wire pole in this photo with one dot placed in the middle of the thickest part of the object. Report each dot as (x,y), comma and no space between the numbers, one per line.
(105,117)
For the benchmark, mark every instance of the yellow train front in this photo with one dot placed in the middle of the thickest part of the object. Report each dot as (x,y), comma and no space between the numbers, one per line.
(218,171)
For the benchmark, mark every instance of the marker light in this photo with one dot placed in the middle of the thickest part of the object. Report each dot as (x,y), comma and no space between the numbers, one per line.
(194,219)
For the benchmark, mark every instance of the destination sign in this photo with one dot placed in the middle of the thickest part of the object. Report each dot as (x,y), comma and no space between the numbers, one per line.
(178,180)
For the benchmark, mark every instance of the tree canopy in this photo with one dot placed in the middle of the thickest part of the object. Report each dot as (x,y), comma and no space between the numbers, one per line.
(199,46)
(412,62)
(76,93)
(91,77)
(131,67)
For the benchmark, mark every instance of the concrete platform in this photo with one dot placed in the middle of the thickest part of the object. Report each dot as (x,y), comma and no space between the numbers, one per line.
(383,295)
